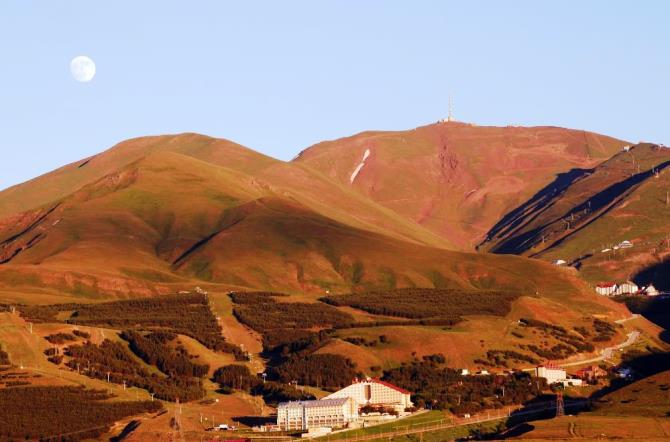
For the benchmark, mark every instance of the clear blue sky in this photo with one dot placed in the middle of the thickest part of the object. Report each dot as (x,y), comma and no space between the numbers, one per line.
(279,76)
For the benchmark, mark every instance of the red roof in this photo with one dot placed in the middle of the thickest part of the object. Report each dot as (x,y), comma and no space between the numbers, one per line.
(607,284)
(380,382)
(389,385)
(590,368)
(551,366)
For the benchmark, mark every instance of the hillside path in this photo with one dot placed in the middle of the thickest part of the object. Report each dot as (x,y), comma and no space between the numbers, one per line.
(608,352)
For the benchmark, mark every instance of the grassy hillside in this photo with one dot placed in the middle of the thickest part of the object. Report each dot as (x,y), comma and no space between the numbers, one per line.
(624,198)
(113,235)
(647,397)
(186,210)
(456,179)
(162,214)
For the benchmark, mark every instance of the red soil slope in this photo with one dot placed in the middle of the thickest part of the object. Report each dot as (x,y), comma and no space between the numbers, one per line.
(457,179)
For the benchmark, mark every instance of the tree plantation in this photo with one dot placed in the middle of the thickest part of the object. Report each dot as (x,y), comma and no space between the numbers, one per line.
(62,413)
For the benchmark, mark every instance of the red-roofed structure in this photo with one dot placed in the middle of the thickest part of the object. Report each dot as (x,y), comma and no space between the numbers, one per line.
(606,288)
(390,385)
(370,391)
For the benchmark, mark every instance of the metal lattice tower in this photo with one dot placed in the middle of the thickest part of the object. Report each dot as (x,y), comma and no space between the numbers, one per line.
(560,407)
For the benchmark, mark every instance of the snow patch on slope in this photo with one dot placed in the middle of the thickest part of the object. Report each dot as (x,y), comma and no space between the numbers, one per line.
(360,166)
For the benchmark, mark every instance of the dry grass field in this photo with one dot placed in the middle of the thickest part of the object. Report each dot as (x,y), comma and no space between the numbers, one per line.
(588,427)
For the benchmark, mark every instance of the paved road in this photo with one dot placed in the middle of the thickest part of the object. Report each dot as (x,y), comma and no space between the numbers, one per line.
(607,353)
(633,316)
(604,354)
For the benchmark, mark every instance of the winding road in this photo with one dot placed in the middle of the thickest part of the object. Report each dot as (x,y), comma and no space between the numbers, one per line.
(608,352)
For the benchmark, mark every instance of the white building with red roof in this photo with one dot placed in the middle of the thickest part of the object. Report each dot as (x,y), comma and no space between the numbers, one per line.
(606,288)
(555,375)
(370,391)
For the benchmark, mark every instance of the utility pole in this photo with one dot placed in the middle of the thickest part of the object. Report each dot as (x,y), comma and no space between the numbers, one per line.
(177,433)
(560,408)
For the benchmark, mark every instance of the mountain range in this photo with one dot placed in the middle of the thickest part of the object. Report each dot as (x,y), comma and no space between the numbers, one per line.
(379,209)
(481,212)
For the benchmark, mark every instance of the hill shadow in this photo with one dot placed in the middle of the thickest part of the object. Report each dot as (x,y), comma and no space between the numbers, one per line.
(657,274)
(655,309)
(599,204)
(644,366)
(536,204)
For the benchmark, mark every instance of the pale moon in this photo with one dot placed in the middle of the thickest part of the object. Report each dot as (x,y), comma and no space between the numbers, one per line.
(82,69)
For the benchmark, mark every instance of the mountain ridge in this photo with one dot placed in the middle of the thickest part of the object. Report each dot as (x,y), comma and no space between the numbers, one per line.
(158,207)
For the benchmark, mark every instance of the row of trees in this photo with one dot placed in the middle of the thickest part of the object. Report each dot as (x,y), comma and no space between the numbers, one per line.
(501,358)
(360,341)
(60,338)
(423,303)
(262,312)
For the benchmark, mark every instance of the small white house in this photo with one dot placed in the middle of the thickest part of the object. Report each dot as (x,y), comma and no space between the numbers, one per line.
(627,288)
(651,290)
(465,372)
(560,262)
(625,244)
(556,375)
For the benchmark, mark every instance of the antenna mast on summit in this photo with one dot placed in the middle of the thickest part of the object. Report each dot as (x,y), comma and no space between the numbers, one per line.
(451,115)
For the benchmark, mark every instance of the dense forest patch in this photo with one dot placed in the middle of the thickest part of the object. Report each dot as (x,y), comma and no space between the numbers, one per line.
(320,370)
(286,326)
(290,338)
(187,314)
(424,303)
(445,388)
(260,311)
(60,338)
(62,413)
(114,360)
(238,377)
(155,349)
